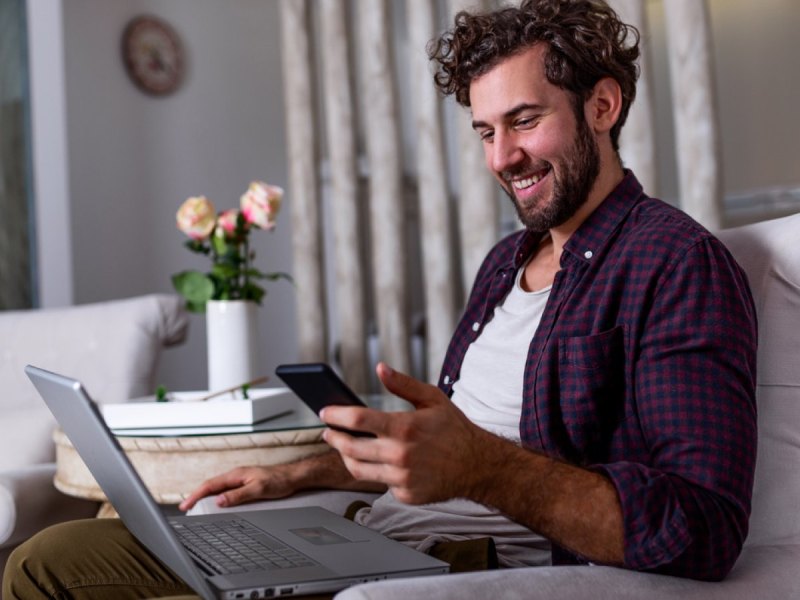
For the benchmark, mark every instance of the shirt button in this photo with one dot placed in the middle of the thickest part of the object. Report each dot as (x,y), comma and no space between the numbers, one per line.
(588,254)
(476,326)
(447,379)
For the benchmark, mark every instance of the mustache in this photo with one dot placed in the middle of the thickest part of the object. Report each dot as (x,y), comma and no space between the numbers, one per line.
(528,168)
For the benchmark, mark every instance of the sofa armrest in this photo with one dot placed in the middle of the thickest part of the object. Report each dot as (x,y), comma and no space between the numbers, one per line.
(765,572)
(111,347)
(44,504)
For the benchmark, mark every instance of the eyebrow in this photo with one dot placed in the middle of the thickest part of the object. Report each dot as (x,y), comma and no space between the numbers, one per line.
(509,114)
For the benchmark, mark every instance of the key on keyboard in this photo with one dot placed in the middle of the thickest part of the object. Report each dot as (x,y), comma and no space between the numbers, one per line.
(236,546)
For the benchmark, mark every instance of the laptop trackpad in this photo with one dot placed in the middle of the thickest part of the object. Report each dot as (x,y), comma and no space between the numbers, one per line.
(319,536)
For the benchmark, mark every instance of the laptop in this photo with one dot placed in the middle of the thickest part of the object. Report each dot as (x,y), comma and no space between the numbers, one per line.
(231,555)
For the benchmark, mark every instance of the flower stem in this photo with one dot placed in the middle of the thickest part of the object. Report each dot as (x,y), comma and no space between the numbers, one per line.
(246,264)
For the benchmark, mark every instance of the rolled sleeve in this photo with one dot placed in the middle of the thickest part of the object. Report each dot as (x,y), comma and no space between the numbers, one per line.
(686,508)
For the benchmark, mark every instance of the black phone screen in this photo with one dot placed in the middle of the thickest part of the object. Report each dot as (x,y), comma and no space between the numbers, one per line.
(318,386)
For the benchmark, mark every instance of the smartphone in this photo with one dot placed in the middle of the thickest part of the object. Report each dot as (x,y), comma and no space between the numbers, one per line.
(318,386)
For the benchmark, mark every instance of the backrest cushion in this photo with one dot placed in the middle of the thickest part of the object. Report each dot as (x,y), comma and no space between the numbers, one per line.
(112,347)
(770,254)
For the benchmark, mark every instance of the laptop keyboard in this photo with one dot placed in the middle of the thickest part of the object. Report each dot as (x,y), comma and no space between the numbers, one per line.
(236,546)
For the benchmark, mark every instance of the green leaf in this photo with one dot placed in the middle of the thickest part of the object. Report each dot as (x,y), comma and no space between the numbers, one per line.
(224,271)
(241,226)
(195,307)
(253,291)
(161,394)
(276,276)
(256,274)
(195,287)
(220,247)
(197,246)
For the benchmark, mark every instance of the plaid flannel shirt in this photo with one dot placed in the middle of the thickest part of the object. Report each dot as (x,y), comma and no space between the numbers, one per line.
(643,369)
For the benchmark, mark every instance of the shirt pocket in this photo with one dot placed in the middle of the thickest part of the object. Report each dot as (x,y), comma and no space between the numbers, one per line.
(591,389)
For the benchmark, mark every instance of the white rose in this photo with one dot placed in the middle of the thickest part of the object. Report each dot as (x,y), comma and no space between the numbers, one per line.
(261,203)
(196,217)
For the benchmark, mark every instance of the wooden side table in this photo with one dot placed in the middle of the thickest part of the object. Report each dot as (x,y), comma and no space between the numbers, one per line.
(172,466)
(172,463)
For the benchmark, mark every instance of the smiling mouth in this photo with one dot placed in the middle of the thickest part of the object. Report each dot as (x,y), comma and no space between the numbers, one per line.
(521,184)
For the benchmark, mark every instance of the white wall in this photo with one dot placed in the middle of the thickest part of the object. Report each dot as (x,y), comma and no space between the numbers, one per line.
(758,78)
(133,158)
(49,152)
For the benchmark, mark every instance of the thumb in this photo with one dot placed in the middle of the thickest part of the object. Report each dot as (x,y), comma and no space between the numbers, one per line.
(421,395)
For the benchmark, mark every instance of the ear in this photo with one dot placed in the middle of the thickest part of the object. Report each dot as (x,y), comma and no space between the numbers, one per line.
(604,105)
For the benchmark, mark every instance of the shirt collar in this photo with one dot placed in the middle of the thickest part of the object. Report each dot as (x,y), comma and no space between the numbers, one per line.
(594,232)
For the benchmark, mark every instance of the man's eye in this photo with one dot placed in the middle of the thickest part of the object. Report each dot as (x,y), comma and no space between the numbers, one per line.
(526,122)
(487,136)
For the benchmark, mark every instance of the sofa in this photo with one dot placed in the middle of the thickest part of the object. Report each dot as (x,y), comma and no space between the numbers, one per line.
(769,565)
(113,347)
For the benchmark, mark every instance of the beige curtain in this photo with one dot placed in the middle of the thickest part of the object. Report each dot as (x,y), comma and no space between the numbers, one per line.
(411,208)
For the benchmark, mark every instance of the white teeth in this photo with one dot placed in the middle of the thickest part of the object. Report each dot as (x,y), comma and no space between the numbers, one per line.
(521,184)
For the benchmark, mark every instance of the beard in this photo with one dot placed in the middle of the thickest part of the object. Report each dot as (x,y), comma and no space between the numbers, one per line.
(571,188)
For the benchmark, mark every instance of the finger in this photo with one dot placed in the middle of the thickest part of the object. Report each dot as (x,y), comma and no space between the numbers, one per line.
(378,460)
(379,472)
(355,418)
(360,448)
(233,497)
(421,395)
(212,486)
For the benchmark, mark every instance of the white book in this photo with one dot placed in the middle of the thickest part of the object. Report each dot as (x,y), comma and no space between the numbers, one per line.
(183,410)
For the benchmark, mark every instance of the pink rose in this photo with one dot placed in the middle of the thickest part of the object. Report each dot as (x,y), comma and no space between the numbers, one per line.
(196,217)
(226,222)
(260,204)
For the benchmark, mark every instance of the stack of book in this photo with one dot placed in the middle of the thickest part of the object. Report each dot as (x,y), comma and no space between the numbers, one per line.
(197,409)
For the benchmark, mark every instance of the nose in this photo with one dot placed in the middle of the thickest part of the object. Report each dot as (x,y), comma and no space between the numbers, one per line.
(503,152)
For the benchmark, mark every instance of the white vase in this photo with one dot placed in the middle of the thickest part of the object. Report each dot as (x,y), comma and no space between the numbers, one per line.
(232,338)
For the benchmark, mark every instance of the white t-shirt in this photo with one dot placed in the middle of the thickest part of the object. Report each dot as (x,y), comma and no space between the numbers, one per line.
(489,392)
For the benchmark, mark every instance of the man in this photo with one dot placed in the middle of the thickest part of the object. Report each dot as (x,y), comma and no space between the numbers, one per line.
(599,389)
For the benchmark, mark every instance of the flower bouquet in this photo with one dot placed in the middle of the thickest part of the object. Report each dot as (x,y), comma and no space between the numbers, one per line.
(224,238)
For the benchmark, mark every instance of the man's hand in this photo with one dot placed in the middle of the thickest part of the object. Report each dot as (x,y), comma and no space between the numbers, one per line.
(244,484)
(427,455)
(435,453)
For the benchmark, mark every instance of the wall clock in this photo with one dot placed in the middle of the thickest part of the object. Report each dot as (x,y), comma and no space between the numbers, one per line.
(153,55)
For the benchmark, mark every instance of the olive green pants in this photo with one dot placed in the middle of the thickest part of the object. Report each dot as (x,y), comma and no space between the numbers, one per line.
(92,558)
(98,559)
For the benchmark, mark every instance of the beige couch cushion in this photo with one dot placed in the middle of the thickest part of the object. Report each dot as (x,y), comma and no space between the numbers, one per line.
(770,253)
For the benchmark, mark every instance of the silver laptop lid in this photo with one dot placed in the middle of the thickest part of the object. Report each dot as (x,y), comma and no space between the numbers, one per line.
(80,419)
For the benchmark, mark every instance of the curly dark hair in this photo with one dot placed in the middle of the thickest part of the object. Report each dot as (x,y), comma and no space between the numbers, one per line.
(586,40)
